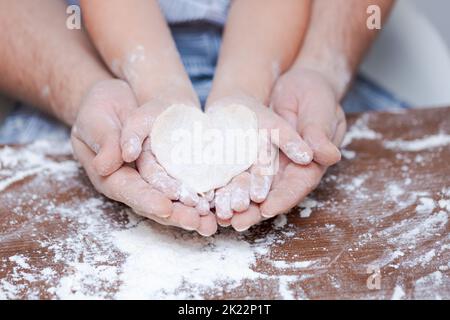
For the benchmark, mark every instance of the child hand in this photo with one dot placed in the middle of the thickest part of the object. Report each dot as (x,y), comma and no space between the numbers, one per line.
(136,146)
(255,184)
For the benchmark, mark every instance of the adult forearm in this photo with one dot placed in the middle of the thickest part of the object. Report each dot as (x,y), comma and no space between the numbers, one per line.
(338,38)
(43,62)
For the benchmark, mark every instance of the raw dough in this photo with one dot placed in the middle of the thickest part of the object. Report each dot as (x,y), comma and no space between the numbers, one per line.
(205,150)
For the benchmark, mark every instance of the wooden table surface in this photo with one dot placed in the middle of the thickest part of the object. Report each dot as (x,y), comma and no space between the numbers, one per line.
(376,228)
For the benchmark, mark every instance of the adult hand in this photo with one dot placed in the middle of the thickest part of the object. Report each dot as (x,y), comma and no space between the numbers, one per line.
(96,141)
(254,185)
(306,100)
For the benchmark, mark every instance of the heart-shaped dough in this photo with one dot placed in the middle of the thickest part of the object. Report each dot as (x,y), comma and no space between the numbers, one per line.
(205,150)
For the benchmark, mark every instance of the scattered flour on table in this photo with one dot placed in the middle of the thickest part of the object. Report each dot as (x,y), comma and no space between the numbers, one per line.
(34,160)
(438,280)
(20,260)
(348,154)
(426,206)
(285,290)
(281,264)
(398,293)
(102,258)
(430,142)
(306,207)
(280,221)
(360,131)
(158,263)
(140,259)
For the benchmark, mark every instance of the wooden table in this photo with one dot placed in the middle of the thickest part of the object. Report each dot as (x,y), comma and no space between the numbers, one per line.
(376,228)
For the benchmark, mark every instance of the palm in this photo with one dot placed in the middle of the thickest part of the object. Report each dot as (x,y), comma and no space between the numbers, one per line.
(307,101)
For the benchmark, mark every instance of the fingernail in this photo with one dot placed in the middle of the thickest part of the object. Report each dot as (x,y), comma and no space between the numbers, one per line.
(224,223)
(260,187)
(162,208)
(267,213)
(203,207)
(241,229)
(227,215)
(187,196)
(239,198)
(294,152)
(131,147)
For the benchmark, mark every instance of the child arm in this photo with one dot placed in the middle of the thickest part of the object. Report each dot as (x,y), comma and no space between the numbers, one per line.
(135,42)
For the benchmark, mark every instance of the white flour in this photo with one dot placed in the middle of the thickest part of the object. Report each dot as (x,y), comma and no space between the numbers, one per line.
(398,293)
(159,263)
(358,131)
(427,143)
(307,206)
(107,259)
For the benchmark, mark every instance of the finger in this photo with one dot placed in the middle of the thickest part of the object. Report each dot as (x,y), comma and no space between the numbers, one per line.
(240,192)
(285,137)
(263,171)
(222,203)
(124,185)
(162,221)
(325,151)
(223,222)
(108,159)
(188,197)
(137,128)
(283,162)
(317,123)
(186,217)
(208,225)
(259,186)
(182,217)
(297,182)
(203,207)
(155,175)
(340,131)
(209,196)
(243,221)
(110,101)
(102,137)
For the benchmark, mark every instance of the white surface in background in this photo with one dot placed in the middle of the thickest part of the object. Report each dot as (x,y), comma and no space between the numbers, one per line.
(411,59)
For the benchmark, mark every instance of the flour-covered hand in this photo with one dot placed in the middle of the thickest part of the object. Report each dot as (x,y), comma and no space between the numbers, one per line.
(96,144)
(254,185)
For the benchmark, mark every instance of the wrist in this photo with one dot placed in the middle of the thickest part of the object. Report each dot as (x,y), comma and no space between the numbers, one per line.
(334,68)
(65,99)
(154,75)
(251,88)
(239,77)
(169,91)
